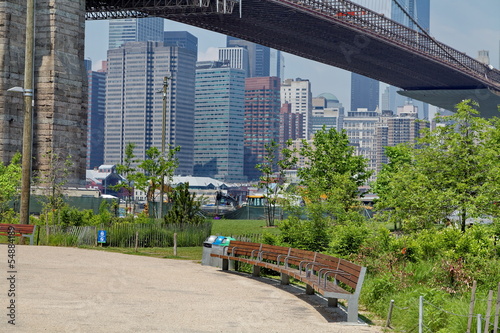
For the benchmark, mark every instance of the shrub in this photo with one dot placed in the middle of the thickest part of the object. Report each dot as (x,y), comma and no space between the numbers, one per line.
(347,239)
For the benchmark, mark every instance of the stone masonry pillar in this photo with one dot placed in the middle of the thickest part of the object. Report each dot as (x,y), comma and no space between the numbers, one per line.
(60,83)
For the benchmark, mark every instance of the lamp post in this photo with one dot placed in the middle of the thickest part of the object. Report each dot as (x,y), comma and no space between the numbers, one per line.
(28,112)
(163,139)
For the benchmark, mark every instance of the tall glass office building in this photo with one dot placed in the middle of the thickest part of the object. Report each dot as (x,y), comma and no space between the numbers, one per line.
(219,117)
(135,30)
(134,102)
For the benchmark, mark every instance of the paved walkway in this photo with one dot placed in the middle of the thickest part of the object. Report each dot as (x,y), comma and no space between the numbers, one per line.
(75,290)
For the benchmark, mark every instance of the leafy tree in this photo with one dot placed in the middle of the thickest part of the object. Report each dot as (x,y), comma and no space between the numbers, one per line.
(333,173)
(453,171)
(127,171)
(185,207)
(156,167)
(10,178)
(329,186)
(53,180)
(273,177)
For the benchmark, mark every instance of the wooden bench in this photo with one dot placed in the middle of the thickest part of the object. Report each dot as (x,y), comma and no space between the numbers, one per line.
(19,230)
(331,277)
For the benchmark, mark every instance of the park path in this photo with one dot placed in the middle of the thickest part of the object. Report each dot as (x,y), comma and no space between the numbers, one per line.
(62,289)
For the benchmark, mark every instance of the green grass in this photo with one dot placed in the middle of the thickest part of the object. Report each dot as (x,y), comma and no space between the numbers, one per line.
(241,227)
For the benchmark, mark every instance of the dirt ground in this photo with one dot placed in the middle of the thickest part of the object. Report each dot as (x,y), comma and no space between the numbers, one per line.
(76,290)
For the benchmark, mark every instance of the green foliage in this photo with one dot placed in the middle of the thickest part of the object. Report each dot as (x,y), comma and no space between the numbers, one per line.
(10,179)
(453,169)
(329,187)
(307,234)
(273,179)
(127,171)
(185,207)
(155,168)
(332,172)
(348,238)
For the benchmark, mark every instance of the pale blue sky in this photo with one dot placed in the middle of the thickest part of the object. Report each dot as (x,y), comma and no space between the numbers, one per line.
(468,26)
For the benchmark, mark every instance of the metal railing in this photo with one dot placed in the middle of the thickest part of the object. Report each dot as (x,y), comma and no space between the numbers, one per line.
(119,9)
(360,17)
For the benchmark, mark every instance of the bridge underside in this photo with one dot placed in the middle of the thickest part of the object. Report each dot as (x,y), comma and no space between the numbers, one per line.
(489,101)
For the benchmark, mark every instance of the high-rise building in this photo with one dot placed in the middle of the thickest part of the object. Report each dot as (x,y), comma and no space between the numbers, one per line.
(262,110)
(259,56)
(219,117)
(327,112)
(95,117)
(360,126)
(134,102)
(364,92)
(419,10)
(298,93)
(395,129)
(182,39)
(483,56)
(235,57)
(135,30)
(291,124)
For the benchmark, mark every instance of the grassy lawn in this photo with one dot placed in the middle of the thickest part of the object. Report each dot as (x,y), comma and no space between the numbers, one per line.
(241,227)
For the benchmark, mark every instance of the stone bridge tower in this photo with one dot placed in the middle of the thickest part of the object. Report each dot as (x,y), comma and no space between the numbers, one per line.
(60,98)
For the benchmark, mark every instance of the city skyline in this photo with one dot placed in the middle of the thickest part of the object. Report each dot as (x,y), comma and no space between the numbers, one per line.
(447,26)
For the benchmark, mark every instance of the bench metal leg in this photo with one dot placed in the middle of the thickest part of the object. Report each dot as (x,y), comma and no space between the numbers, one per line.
(255,270)
(225,264)
(352,311)
(285,279)
(309,290)
(333,302)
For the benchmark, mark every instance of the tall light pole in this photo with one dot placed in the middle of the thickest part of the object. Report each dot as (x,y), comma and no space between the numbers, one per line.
(163,139)
(28,113)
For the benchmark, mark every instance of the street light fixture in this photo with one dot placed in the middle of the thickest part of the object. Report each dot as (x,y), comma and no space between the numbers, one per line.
(28,112)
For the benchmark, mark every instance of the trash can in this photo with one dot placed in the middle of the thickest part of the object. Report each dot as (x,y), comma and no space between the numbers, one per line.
(207,250)
(219,246)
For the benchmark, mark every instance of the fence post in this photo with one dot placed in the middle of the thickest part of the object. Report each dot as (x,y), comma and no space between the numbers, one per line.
(136,240)
(488,312)
(471,307)
(175,244)
(478,323)
(389,315)
(421,315)
(497,311)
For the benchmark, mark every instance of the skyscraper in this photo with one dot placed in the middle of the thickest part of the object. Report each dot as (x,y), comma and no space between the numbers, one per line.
(219,113)
(235,57)
(95,117)
(134,104)
(298,93)
(135,30)
(262,109)
(259,56)
(364,92)
(182,39)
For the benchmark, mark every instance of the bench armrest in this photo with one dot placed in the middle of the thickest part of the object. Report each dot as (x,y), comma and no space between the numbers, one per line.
(328,271)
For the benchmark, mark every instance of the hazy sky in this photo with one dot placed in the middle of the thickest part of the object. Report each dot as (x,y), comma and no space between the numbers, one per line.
(468,26)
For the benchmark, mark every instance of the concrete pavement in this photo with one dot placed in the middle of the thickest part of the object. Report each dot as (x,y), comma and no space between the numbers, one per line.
(61,289)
